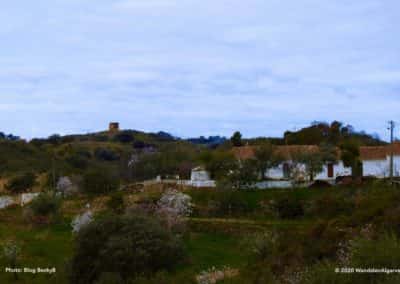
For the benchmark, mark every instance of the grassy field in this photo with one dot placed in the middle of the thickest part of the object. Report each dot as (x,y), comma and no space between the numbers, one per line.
(51,246)
(215,237)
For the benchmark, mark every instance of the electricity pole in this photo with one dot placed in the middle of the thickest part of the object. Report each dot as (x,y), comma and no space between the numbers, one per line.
(391,128)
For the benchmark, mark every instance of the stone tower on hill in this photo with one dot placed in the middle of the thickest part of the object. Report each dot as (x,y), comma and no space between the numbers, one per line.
(113,127)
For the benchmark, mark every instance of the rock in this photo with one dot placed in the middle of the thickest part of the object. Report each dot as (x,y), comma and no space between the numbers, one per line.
(81,220)
(27,198)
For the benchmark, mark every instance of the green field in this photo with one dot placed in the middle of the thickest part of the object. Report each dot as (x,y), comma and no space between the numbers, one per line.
(219,235)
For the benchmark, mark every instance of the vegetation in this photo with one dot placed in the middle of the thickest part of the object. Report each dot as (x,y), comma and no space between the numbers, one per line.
(45,204)
(351,157)
(236,139)
(265,236)
(128,246)
(266,158)
(21,183)
(100,181)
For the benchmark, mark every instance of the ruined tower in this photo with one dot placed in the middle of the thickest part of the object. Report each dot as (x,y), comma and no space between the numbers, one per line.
(113,127)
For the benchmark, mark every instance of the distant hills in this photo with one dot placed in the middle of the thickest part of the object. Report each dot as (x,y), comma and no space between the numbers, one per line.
(318,132)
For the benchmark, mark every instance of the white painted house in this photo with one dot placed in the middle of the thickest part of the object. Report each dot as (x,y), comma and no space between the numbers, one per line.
(199,177)
(375,160)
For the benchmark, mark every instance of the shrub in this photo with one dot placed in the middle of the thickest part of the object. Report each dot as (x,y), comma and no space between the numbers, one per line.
(230,203)
(177,202)
(383,252)
(78,161)
(116,202)
(106,154)
(11,253)
(323,240)
(128,246)
(324,273)
(124,137)
(45,205)
(21,182)
(100,181)
(331,205)
(288,208)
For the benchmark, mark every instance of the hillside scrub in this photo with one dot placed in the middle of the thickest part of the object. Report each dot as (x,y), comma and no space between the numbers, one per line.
(21,183)
(128,246)
(99,181)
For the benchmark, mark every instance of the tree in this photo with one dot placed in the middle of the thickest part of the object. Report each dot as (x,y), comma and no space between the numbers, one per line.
(350,155)
(219,163)
(241,176)
(100,181)
(329,153)
(129,246)
(313,163)
(266,158)
(236,139)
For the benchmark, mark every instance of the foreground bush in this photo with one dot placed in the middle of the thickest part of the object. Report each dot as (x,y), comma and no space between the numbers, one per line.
(45,205)
(126,246)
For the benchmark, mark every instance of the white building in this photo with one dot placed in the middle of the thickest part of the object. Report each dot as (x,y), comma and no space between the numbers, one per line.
(200,178)
(375,162)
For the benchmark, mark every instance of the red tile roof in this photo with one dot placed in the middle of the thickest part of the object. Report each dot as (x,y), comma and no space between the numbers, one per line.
(366,152)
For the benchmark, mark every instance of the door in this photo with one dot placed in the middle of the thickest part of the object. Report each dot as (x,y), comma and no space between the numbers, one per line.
(330,170)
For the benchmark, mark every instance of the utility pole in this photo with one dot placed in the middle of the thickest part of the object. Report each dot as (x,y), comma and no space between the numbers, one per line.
(391,128)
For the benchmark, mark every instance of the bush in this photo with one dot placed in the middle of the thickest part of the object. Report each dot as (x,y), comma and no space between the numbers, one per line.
(45,205)
(331,205)
(365,253)
(231,203)
(100,182)
(116,202)
(77,161)
(124,137)
(106,155)
(323,240)
(288,208)
(126,246)
(324,273)
(21,183)
(380,253)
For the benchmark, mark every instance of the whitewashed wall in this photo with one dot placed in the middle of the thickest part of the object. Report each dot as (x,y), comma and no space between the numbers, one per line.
(396,162)
(377,168)
(338,170)
(197,175)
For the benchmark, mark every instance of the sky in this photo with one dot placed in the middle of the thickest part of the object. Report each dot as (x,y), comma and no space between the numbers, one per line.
(198,67)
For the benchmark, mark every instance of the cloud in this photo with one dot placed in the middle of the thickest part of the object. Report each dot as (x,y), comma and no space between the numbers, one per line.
(147,4)
(198,67)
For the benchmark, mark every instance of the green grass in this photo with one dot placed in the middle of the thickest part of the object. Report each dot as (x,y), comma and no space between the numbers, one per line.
(207,250)
(40,247)
(212,242)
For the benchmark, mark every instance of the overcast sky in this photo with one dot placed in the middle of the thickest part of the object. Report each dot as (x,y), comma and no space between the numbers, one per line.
(198,67)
